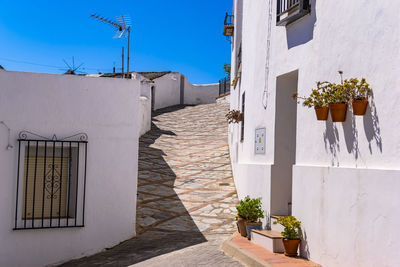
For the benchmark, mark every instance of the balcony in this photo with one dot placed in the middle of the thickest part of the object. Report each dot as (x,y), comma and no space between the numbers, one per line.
(289,11)
(228,25)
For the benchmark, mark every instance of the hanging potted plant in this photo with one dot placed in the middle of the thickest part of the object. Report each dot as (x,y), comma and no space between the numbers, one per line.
(234,116)
(359,92)
(318,100)
(291,234)
(338,96)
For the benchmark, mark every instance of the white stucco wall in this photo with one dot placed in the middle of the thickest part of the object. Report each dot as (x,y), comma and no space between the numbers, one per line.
(167,90)
(105,109)
(201,93)
(145,115)
(362,39)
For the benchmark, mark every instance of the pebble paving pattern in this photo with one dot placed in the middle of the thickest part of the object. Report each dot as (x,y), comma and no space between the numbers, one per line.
(185,180)
(186,195)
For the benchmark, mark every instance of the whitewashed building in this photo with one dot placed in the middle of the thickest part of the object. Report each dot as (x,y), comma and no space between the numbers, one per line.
(173,88)
(68,165)
(341,180)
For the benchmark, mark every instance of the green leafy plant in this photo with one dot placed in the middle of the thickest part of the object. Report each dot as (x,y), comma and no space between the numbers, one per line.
(234,116)
(235,80)
(337,93)
(292,227)
(318,96)
(227,70)
(358,89)
(250,209)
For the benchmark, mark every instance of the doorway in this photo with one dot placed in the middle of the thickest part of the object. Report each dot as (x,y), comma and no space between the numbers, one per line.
(285,144)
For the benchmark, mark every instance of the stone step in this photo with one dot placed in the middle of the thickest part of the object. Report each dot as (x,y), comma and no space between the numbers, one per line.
(270,240)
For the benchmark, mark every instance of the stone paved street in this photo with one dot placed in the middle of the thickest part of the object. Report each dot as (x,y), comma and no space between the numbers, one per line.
(185,178)
(186,194)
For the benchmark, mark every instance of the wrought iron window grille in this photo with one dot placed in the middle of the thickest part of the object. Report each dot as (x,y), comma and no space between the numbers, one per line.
(289,11)
(51,181)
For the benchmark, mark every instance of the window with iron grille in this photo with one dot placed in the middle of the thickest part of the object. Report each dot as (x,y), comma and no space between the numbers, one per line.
(51,181)
(242,123)
(289,11)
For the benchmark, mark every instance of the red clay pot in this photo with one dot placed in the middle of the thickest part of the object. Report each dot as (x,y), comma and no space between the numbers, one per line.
(322,113)
(241,223)
(359,106)
(338,111)
(291,247)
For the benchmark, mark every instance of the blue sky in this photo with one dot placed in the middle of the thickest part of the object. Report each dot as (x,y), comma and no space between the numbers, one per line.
(183,36)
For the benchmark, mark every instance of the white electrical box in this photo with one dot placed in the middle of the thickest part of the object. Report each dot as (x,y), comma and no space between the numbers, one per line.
(259,147)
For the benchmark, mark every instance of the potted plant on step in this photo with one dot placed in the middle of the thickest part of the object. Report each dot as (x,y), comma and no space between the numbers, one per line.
(250,209)
(291,234)
(338,96)
(234,116)
(317,99)
(359,92)
(241,220)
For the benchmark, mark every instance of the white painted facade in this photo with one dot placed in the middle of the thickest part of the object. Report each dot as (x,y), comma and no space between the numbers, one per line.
(105,109)
(340,178)
(174,89)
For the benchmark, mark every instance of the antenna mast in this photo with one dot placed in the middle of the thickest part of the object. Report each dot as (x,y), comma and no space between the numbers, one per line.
(124,28)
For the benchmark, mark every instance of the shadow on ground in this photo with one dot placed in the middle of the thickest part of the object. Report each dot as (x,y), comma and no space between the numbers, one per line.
(163,223)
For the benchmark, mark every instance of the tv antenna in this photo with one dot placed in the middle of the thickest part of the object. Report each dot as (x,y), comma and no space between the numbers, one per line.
(123,25)
(72,69)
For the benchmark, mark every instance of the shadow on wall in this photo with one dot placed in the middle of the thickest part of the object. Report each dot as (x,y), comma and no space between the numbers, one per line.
(371,128)
(304,248)
(331,140)
(302,30)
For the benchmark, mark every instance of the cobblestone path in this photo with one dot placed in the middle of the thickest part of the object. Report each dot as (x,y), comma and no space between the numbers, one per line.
(185,177)
(186,194)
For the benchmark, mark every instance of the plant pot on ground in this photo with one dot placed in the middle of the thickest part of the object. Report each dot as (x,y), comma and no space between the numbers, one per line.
(291,234)
(252,226)
(249,212)
(241,223)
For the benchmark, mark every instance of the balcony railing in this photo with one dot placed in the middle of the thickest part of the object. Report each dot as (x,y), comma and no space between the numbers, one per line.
(289,11)
(228,25)
(224,86)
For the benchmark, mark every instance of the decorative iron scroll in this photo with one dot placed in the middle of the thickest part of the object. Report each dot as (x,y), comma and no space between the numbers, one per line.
(80,137)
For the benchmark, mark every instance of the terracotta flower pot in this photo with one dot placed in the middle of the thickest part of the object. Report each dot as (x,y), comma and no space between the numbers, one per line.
(322,113)
(359,106)
(338,111)
(241,223)
(291,247)
(252,225)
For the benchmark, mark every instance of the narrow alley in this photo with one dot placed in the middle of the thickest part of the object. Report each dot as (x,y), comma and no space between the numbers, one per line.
(186,193)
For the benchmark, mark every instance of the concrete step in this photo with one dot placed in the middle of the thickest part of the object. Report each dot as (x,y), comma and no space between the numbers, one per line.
(270,240)
(276,227)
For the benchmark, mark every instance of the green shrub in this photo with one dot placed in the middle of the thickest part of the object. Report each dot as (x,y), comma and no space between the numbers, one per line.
(250,209)
(292,226)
